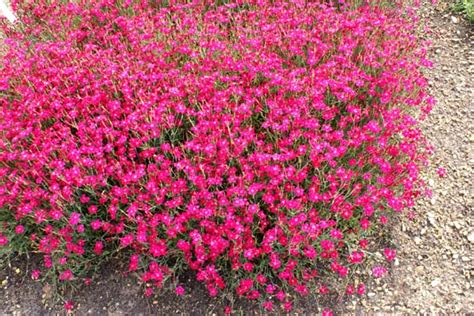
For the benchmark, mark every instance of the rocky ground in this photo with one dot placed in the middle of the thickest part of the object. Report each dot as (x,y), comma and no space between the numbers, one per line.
(434,270)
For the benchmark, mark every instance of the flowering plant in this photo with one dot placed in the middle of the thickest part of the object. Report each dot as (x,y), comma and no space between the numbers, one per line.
(257,143)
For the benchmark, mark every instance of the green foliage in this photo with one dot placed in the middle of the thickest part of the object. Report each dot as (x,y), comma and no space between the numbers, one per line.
(466,7)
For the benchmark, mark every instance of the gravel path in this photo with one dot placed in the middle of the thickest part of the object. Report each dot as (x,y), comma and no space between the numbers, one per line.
(435,265)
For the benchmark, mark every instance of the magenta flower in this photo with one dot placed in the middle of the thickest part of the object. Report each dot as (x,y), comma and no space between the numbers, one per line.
(66,275)
(74,219)
(3,240)
(180,290)
(390,254)
(379,271)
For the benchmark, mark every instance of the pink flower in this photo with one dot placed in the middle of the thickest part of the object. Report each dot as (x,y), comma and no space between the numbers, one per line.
(390,254)
(180,290)
(66,275)
(281,295)
(361,289)
(356,257)
(270,289)
(228,310)
(3,240)
(364,223)
(4,84)
(245,286)
(98,248)
(336,234)
(261,279)
(442,172)
(96,224)
(133,265)
(248,266)
(148,291)
(327,245)
(20,229)
(80,228)
(268,305)
(74,218)
(310,252)
(327,312)
(126,240)
(379,271)
(350,289)
(68,306)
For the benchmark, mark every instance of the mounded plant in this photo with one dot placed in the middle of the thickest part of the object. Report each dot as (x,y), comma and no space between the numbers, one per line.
(260,144)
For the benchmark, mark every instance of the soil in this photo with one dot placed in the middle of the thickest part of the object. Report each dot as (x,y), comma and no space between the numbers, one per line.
(433,272)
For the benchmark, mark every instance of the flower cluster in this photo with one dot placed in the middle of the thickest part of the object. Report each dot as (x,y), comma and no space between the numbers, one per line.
(258,143)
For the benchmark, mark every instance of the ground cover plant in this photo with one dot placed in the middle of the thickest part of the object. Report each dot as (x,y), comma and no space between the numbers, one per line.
(466,7)
(260,144)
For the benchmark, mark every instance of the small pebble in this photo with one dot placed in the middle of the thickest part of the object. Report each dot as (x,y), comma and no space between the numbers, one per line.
(435,282)
(470,237)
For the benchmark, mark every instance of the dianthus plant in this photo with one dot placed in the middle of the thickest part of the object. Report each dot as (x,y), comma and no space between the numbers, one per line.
(259,144)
